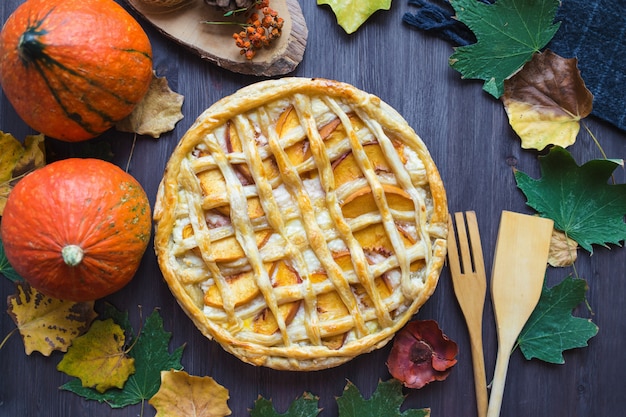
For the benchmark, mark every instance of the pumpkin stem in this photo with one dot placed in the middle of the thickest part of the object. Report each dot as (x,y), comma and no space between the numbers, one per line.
(72,255)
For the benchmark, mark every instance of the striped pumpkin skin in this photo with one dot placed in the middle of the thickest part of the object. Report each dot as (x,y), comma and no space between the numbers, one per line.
(73,68)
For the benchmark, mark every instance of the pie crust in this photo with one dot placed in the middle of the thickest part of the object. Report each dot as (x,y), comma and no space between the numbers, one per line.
(300,223)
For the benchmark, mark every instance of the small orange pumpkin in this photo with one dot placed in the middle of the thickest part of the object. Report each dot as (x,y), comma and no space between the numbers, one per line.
(73,68)
(76,229)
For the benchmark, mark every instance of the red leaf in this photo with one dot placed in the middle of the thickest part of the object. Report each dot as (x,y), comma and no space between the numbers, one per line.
(421,353)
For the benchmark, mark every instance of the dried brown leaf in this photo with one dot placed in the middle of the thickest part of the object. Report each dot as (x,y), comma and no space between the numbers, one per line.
(34,156)
(562,250)
(545,101)
(157,113)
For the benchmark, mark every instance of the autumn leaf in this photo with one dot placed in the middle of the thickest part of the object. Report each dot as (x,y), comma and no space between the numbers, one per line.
(151,354)
(47,324)
(421,354)
(578,198)
(305,406)
(12,152)
(508,32)
(34,156)
(17,160)
(186,395)
(545,101)
(385,401)
(562,250)
(98,358)
(551,329)
(157,113)
(351,14)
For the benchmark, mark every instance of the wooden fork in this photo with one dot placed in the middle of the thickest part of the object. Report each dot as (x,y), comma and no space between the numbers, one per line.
(470,287)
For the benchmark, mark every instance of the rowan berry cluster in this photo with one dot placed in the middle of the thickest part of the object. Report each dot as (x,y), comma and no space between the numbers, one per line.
(259,30)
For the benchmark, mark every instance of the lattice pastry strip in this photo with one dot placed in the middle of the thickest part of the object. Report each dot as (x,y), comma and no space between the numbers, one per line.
(300,222)
(274,218)
(315,234)
(323,165)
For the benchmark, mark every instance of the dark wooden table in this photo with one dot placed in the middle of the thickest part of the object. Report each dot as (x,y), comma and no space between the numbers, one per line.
(470,139)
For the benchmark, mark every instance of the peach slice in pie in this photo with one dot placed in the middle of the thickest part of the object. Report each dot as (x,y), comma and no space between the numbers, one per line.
(300,223)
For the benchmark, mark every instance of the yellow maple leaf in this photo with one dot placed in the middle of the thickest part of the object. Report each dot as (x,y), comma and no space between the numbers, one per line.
(184,395)
(546,100)
(17,160)
(157,113)
(47,324)
(98,358)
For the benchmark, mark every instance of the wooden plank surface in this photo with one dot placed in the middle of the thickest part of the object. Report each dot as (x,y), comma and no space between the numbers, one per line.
(475,149)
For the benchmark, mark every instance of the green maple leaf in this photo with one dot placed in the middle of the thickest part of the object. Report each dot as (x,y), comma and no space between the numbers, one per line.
(552,329)
(385,401)
(508,32)
(578,198)
(119,317)
(305,406)
(151,354)
(351,14)
(5,267)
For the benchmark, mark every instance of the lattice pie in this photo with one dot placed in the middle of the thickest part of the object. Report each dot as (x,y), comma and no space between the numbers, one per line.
(300,222)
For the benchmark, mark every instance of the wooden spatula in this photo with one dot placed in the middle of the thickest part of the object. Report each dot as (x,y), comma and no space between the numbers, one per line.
(517,278)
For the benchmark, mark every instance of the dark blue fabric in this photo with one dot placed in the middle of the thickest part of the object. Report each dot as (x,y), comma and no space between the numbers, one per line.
(437,18)
(593,31)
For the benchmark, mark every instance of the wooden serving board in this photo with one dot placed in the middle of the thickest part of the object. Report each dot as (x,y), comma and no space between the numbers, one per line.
(185,25)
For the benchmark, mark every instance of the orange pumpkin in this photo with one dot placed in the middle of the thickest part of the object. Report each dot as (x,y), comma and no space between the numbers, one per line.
(73,68)
(76,229)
